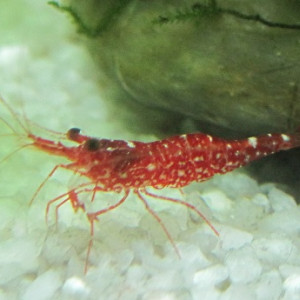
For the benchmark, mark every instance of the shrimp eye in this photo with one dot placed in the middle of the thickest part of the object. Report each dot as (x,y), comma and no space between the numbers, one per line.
(92,145)
(73,133)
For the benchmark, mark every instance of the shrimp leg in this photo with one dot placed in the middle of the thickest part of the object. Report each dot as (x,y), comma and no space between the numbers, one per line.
(92,217)
(159,220)
(62,166)
(186,204)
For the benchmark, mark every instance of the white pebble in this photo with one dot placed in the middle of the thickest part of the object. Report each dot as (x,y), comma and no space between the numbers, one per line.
(76,287)
(43,287)
(267,187)
(13,55)
(238,292)
(17,257)
(287,270)
(165,280)
(159,295)
(280,200)
(276,251)
(210,276)
(269,286)
(263,201)
(210,293)
(193,256)
(236,185)
(217,201)
(243,266)
(291,287)
(232,238)
(287,222)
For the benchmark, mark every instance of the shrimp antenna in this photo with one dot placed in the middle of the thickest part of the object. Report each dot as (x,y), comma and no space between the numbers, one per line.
(47,130)
(14,114)
(14,152)
(9,126)
(27,122)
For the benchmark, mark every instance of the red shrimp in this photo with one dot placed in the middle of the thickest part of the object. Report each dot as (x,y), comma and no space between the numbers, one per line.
(132,166)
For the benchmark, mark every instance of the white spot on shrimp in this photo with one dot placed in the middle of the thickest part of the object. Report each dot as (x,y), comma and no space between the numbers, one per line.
(130,144)
(252,142)
(218,155)
(181,173)
(198,158)
(118,188)
(151,167)
(228,146)
(123,175)
(209,138)
(285,138)
(104,174)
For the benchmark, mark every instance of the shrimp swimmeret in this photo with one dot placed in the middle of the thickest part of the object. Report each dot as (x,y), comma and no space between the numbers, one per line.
(126,167)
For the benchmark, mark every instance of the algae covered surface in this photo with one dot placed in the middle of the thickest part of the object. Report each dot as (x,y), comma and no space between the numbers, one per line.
(220,64)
